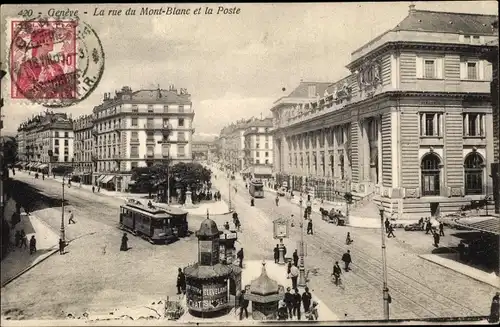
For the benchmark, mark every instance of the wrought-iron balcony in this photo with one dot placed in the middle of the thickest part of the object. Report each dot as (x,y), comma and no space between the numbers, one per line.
(157,127)
(134,140)
(150,141)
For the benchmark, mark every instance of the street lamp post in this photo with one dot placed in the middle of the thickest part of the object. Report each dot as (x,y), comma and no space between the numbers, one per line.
(229,183)
(63,233)
(302,270)
(385,290)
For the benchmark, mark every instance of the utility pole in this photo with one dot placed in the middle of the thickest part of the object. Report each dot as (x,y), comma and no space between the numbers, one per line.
(385,289)
(302,270)
(63,233)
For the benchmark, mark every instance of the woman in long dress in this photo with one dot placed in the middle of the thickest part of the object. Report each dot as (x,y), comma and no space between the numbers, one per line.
(124,246)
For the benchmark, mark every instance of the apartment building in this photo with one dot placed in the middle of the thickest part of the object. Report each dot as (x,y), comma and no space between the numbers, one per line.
(84,147)
(410,127)
(139,129)
(45,134)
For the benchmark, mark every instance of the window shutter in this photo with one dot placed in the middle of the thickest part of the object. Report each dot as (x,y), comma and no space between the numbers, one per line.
(439,67)
(463,69)
(435,125)
(419,67)
(488,72)
(481,69)
(422,124)
(441,125)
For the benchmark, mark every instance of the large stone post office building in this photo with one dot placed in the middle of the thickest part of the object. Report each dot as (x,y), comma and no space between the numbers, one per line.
(410,127)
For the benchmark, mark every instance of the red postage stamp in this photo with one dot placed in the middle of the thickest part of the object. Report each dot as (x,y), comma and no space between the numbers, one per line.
(43,60)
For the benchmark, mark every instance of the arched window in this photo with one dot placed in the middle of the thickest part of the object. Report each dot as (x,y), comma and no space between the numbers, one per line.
(430,174)
(473,168)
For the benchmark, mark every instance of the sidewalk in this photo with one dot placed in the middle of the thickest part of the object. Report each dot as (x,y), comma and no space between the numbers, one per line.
(354,221)
(474,273)
(19,259)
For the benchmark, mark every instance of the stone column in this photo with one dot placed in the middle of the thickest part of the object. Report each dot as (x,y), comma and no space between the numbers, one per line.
(379,149)
(366,151)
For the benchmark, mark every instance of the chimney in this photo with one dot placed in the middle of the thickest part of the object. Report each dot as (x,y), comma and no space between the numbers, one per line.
(412,8)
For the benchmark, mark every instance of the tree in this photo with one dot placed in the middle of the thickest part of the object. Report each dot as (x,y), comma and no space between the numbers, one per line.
(191,175)
(9,150)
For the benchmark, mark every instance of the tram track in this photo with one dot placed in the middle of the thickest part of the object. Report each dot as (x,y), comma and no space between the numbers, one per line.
(412,294)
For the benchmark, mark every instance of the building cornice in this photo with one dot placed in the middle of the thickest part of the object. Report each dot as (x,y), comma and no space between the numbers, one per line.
(407,45)
(379,98)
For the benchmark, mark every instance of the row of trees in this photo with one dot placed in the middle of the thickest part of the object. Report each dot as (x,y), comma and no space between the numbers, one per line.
(182,176)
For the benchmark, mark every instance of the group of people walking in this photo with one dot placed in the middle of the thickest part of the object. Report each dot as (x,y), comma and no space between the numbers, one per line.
(292,304)
(21,241)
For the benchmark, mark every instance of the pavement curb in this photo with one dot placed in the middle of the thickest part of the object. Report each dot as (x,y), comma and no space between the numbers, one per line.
(25,270)
(457,271)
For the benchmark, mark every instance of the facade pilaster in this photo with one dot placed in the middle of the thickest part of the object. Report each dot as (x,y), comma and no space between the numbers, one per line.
(379,150)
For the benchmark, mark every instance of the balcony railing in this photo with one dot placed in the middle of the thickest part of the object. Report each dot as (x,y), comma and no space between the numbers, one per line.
(134,140)
(157,126)
(150,141)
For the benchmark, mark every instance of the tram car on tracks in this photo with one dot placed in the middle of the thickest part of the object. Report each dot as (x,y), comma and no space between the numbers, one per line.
(158,225)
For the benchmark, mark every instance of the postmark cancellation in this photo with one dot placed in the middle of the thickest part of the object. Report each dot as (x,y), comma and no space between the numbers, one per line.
(52,62)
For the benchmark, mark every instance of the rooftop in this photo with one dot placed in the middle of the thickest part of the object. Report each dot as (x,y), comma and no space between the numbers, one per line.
(263,285)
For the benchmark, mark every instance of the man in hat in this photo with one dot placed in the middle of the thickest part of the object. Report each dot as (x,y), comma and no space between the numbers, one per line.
(243,305)
(240,257)
(297,299)
(289,302)
(295,257)
(276,251)
(494,311)
(306,299)
(347,259)
(181,282)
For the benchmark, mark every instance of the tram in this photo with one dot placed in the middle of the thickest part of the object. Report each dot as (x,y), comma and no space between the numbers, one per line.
(154,224)
(256,188)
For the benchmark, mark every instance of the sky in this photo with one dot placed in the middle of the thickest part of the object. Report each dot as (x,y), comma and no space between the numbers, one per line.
(234,66)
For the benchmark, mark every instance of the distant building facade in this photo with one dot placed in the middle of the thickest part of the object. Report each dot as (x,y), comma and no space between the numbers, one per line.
(258,145)
(410,128)
(45,134)
(84,147)
(201,150)
(139,129)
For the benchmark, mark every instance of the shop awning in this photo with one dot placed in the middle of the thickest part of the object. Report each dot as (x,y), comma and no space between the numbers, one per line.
(101,177)
(107,179)
(43,166)
(36,165)
(483,224)
(262,170)
(24,164)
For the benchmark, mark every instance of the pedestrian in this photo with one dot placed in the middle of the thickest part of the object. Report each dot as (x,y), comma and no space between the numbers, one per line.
(347,259)
(226,225)
(427,226)
(295,257)
(98,188)
(93,189)
(17,238)
(277,200)
(243,305)
(336,272)
(289,302)
(441,228)
(24,239)
(71,218)
(306,299)
(32,244)
(390,231)
(313,314)
(288,269)
(387,224)
(297,300)
(61,246)
(181,282)
(282,311)
(235,216)
(461,250)
(237,224)
(294,274)
(348,240)
(43,177)
(124,245)
(276,251)
(310,227)
(494,310)
(436,238)
(240,257)
(284,252)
